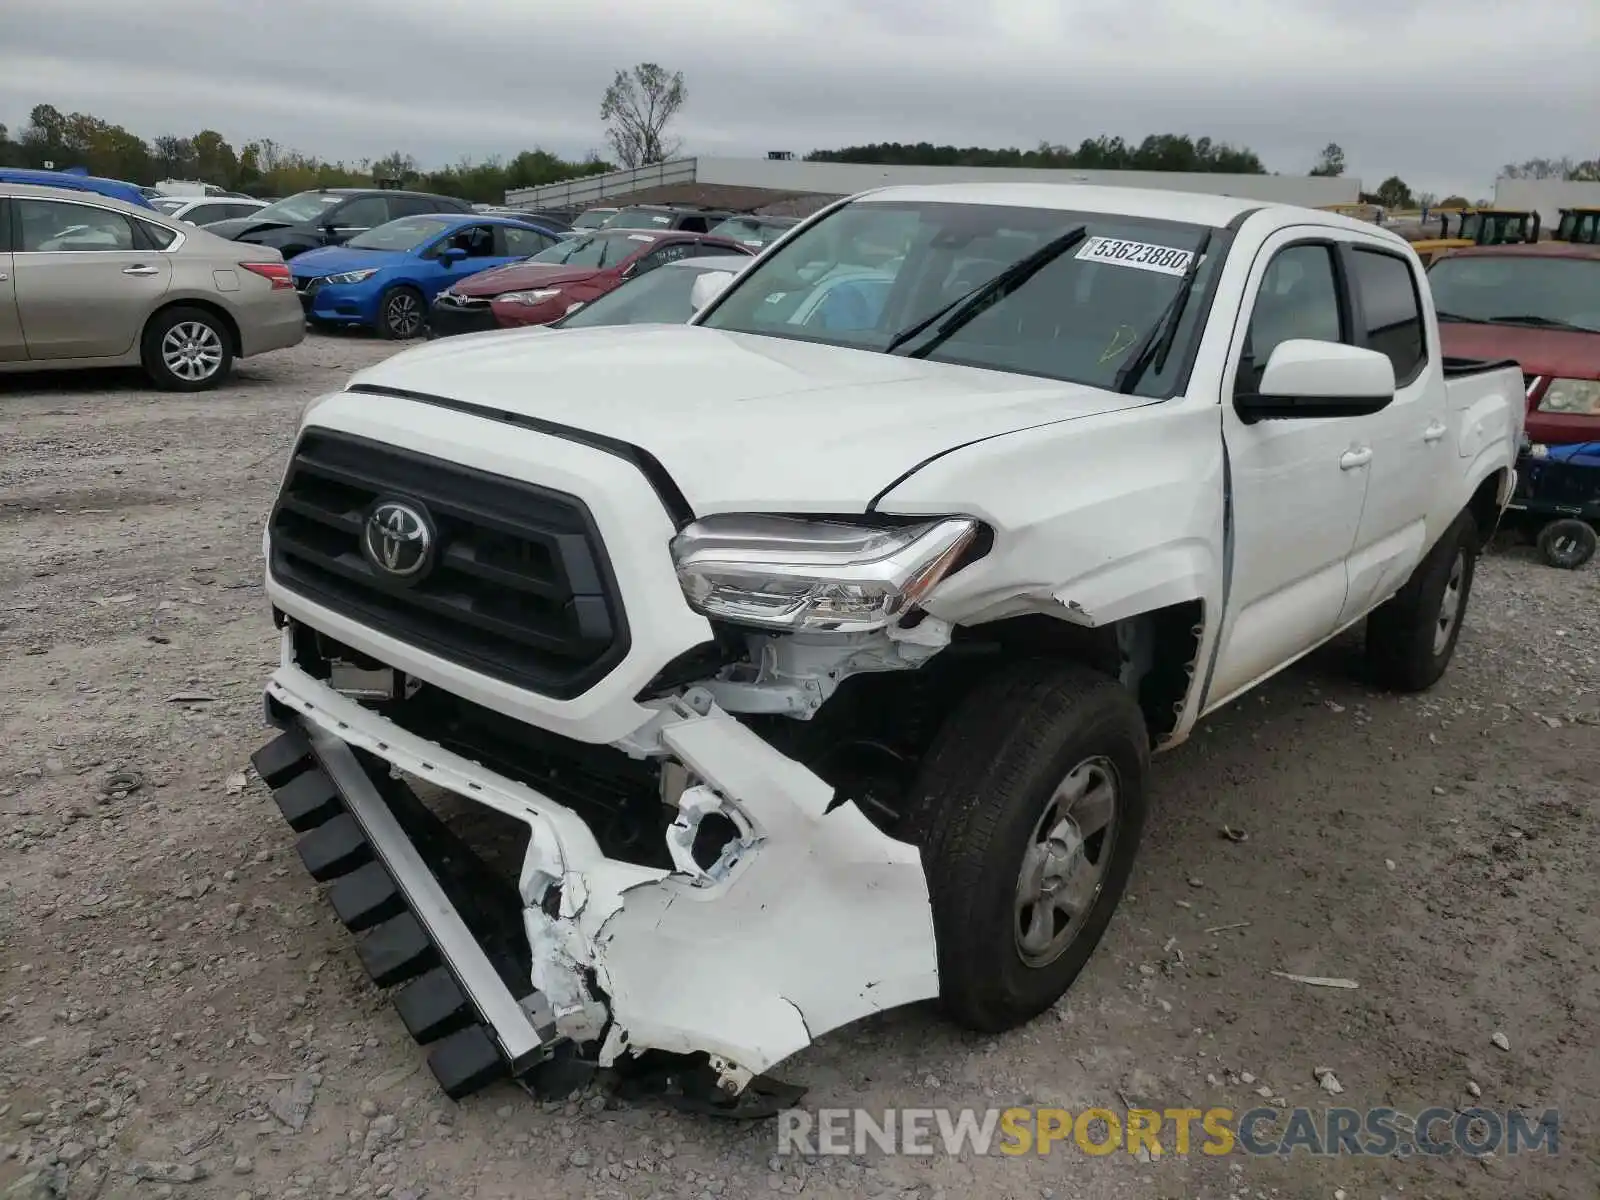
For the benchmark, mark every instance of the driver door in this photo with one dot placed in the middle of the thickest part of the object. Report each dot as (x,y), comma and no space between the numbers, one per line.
(1297,484)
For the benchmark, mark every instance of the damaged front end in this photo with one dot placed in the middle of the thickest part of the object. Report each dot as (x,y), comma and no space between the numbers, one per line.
(614,688)
(766,912)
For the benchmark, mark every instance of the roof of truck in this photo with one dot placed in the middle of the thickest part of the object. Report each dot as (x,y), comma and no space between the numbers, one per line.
(1200,208)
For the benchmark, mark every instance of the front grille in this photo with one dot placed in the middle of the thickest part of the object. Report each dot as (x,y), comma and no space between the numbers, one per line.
(456,300)
(519,587)
(1529,382)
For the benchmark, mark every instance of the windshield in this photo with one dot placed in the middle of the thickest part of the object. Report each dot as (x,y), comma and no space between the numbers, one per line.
(592,219)
(655,298)
(639,218)
(752,231)
(168,204)
(300,207)
(593,250)
(870,271)
(1518,289)
(405,234)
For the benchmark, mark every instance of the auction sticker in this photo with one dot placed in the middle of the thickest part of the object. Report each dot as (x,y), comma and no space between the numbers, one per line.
(1145,256)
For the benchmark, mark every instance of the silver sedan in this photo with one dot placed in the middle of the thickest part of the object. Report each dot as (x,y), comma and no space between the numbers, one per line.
(87,281)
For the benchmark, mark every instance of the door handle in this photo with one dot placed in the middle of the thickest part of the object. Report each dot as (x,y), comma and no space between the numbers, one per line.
(140,270)
(1435,431)
(4,277)
(1351,459)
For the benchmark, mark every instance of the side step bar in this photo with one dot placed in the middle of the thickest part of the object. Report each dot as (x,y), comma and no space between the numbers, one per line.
(453,998)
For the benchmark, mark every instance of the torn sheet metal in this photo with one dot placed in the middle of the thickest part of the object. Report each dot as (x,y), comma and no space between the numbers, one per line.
(825,921)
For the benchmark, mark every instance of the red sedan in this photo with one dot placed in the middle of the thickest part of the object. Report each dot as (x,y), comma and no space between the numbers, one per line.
(553,282)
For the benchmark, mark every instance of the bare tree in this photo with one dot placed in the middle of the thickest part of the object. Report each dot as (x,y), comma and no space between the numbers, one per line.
(636,108)
(1539,168)
(1330,162)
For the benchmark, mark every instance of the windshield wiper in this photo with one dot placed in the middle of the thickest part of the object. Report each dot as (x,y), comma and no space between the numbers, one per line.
(1543,322)
(1450,316)
(1156,343)
(963,308)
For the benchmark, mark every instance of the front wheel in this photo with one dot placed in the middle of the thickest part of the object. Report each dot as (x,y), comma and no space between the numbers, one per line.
(1028,811)
(1411,637)
(186,350)
(401,313)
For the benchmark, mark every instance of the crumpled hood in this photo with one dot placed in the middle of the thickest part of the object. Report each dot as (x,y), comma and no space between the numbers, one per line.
(743,422)
(332,260)
(518,275)
(1557,352)
(232,227)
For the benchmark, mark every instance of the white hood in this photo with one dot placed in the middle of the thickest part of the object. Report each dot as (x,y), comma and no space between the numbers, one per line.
(741,421)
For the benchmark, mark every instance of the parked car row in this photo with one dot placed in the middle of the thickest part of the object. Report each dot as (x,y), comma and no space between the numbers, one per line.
(560,279)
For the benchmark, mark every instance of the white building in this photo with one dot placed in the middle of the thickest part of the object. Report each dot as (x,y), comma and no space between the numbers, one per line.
(1547,196)
(793,186)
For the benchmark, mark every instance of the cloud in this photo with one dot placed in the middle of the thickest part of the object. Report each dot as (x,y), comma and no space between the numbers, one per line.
(1440,92)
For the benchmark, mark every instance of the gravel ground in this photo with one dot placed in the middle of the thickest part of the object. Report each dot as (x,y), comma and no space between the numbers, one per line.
(181,1015)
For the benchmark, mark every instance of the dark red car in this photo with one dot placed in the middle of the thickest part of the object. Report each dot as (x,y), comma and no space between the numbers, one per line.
(549,285)
(1537,303)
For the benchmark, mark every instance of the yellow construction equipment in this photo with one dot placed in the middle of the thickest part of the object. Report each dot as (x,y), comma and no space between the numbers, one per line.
(1579,225)
(1478,227)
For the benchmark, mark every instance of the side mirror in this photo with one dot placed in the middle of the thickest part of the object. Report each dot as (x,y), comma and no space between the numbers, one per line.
(451,255)
(1305,378)
(708,285)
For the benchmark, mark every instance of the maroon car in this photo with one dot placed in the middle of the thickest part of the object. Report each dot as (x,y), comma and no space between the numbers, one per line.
(553,282)
(1539,304)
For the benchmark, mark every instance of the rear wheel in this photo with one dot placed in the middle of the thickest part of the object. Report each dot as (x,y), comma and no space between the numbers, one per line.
(401,313)
(1411,637)
(1028,810)
(1567,543)
(186,349)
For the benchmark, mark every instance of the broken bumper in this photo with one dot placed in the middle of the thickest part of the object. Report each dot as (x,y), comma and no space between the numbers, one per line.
(811,918)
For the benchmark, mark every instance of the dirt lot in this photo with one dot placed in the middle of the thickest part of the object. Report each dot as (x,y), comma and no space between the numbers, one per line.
(181,1015)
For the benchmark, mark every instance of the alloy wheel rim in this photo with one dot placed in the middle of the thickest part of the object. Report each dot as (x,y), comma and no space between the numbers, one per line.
(1449,604)
(192,350)
(404,315)
(1065,864)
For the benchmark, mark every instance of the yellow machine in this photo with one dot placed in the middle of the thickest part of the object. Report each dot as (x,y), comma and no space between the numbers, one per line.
(1479,227)
(1579,225)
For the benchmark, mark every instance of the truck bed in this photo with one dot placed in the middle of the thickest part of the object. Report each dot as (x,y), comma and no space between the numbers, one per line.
(1460,368)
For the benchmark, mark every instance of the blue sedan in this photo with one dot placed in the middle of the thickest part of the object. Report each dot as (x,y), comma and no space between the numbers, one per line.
(386,278)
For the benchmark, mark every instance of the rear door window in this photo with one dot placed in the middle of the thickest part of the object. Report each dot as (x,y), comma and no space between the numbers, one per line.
(1391,311)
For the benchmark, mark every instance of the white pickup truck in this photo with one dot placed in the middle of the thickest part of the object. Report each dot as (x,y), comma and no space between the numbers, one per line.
(807,660)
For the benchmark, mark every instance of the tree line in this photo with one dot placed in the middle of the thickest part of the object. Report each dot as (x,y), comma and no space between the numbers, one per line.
(636,108)
(1158,152)
(263,167)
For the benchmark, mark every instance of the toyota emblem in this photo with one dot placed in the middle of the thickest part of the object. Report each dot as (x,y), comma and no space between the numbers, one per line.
(398,539)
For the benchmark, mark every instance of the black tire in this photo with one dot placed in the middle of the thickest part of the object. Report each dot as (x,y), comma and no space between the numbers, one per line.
(1409,643)
(186,349)
(398,300)
(1567,543)
(976,811)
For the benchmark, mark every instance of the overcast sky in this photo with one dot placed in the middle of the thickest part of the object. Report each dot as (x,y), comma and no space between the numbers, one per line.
(1440,92)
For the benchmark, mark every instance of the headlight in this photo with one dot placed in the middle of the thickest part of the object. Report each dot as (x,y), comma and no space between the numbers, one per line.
(1578,397)
(538,297)
(792,573)
(353,276)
